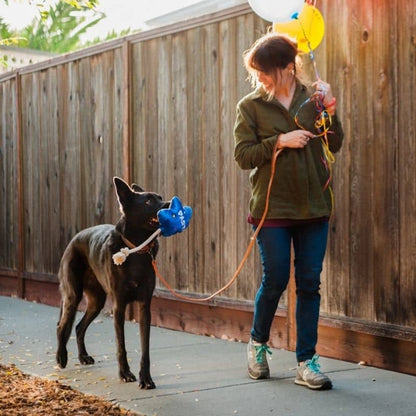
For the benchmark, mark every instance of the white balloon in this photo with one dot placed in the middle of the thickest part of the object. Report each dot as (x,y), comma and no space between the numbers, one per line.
(276,10)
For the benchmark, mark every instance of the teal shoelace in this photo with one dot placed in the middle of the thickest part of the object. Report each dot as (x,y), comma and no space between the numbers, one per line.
(260,350)
(314,365)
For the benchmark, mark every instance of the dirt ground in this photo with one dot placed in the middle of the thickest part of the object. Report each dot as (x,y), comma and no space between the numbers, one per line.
(22,394)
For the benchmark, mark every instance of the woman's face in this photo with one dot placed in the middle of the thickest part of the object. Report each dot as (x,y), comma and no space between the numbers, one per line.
(266,80)
(281,78)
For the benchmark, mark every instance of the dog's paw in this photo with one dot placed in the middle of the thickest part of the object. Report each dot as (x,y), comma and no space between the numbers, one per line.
(147,385)
(146,382)
(62,358)
(86,359)
(127,376)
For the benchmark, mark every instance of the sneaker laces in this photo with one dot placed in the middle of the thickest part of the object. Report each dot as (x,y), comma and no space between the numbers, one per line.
(313,364)
(260,350)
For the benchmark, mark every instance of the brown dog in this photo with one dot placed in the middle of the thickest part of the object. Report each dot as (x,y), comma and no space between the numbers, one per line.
(87,268)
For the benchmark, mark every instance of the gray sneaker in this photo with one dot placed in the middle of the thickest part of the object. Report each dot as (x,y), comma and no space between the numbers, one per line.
(308,374)
(257,360)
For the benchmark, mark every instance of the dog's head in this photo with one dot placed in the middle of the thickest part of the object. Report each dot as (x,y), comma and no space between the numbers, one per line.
(139,208)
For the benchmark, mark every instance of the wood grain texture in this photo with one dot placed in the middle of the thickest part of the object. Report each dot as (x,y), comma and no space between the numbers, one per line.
(9,176)
(159,108)
(405,126)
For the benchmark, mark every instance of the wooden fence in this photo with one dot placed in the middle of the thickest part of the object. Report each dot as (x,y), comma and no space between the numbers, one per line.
(158,108)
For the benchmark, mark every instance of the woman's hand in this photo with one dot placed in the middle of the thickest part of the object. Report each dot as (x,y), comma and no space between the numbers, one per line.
(295,139)
(324,90)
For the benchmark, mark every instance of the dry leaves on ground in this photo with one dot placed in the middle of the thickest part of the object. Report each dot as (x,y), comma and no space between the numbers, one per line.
(22,394)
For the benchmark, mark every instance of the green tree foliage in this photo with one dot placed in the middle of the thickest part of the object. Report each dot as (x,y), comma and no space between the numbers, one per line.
(60,30)
(80,5)
(110,35)
(57,29)
(4,31)
(6,38)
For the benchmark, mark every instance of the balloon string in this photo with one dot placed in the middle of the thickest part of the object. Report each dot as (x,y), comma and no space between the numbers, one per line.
(323,121)
(311,54)
(312,57)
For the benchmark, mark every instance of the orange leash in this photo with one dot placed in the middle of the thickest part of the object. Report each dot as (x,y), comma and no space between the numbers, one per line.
(248,251)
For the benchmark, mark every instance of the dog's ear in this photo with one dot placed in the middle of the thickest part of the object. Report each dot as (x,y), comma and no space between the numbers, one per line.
(123,192)
(136,188)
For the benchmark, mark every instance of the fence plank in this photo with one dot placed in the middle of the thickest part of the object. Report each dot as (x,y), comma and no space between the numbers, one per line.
(184,86)
(195,145)
(248,29)
(211,153)
(9,218)
(178,151)
(69,149)
(144,113)
(49,168)
(227,169)
(406,153)
(338,70)
(386,230)
(362,196)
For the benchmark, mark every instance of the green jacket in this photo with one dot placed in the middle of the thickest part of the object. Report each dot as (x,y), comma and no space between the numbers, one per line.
(298,186)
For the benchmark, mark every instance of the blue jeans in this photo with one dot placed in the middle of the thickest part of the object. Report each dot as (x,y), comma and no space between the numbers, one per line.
(309,242)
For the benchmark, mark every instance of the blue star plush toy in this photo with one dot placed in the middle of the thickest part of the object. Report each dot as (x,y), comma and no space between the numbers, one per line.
(174,219)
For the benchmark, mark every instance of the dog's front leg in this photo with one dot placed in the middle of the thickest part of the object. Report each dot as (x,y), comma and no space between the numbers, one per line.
(124,370)
(145,379)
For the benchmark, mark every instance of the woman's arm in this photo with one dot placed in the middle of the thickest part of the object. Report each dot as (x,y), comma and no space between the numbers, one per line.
(249,151)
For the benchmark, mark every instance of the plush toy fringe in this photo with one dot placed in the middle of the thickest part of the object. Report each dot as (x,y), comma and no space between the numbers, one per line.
(120,257)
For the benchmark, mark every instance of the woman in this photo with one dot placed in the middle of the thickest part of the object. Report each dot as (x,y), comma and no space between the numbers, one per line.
(280,114)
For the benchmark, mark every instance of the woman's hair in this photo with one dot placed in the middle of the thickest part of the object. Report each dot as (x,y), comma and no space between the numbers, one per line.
(268,53)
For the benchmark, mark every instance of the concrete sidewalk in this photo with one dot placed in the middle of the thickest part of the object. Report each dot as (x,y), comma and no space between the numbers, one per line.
(195,375)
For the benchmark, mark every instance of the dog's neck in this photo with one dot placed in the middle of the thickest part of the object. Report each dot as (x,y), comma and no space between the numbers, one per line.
(127,242)
(121,227)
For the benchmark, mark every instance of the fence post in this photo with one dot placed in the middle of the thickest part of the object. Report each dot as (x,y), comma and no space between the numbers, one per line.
(20,191)
(127,120)
(126,48)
